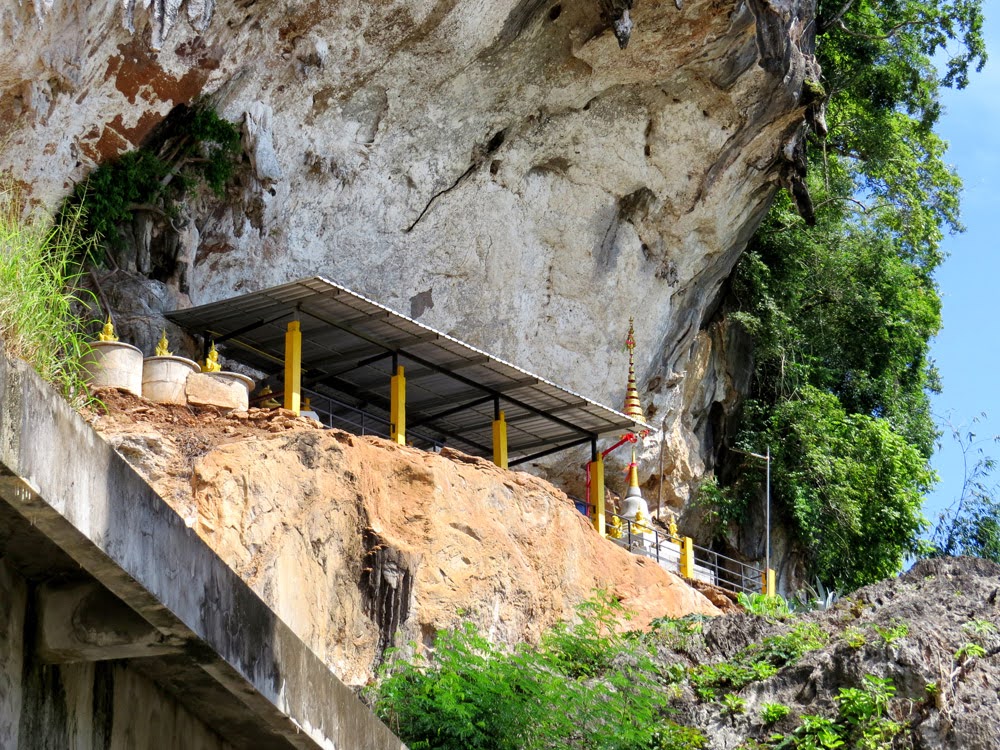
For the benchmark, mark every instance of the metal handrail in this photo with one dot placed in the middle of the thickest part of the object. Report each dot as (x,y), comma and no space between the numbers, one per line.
(746,578)
(368,424)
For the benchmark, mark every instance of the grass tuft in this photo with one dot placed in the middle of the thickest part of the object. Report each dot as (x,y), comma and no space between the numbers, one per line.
(40,294)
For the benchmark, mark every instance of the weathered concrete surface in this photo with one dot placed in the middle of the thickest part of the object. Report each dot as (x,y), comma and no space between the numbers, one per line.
(13,600)
(83,621)
(65,482)
(83,706)
(499,169)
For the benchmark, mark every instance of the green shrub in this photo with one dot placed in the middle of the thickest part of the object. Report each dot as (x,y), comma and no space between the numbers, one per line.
(771,713)
(585,686)
(733,704)
(893,633)
(979,627)
(671,736)
(757,662)
(970,651)
(854,637)
(861,722)
(774,607)
(195,146)
(677,633)
(39,292)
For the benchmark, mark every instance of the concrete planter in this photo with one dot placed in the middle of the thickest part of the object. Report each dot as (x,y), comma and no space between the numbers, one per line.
(114,364)
(225,390)
(164,378)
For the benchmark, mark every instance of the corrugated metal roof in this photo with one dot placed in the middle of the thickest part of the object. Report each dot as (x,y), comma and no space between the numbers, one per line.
(348,344)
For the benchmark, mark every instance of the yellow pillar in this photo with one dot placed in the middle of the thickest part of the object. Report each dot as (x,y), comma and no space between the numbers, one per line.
(767,584)
(293,366)
(397,407)
(687,557)
(500,441)
(597,493)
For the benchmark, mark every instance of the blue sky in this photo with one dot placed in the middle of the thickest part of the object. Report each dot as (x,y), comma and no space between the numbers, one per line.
(966,350)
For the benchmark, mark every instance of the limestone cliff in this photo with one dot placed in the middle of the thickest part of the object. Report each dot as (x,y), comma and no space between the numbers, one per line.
(360,544)
(499,169)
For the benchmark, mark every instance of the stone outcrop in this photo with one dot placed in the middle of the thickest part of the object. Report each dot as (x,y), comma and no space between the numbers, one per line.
(502,171)
(934,632)
(360,544)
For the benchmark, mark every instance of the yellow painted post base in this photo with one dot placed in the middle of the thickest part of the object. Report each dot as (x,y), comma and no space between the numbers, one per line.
(767,582)
(293,367)
(687,557)
(397,407)
(500,442)
(597,494)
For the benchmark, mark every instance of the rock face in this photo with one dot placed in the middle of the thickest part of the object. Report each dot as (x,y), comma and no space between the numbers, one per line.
(500,170)
(934,632)
(360,544)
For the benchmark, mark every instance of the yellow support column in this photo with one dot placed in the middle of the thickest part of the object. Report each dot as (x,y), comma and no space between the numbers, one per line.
(767,584)
(397,407)
(597,494)
(500,441)
(687,557)
(293,366)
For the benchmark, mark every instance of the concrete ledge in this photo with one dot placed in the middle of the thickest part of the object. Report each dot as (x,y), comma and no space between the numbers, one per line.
(72,487)
(83,621)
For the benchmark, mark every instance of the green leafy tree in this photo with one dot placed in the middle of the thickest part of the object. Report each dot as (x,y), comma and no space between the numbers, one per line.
(587,686)
(841,310)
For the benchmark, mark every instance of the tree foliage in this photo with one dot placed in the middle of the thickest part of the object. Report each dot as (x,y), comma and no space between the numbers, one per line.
(841,312)
(587,686)
(193,146)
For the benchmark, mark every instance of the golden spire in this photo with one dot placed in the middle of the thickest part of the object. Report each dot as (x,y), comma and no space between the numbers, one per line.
(108,332)
(633,407)
(162,348)
(633,472)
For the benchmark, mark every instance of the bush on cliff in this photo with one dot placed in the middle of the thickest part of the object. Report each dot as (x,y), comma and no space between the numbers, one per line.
(587,686)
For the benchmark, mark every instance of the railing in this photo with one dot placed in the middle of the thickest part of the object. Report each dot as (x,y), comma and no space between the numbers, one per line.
(730,574)
(336,413)
(669,552)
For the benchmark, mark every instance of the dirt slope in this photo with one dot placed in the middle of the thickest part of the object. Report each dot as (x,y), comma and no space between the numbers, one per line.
(360,544)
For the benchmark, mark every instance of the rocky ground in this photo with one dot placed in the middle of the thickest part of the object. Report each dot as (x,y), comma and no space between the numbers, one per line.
(360,544)
(934,633)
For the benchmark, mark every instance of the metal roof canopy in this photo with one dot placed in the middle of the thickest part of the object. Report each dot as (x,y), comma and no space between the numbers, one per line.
(350,344)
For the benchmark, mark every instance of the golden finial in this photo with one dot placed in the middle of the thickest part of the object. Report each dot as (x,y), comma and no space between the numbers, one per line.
(633,407)
(108,332)
(672,527)
(633,472)
(212,362)
(162,349)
